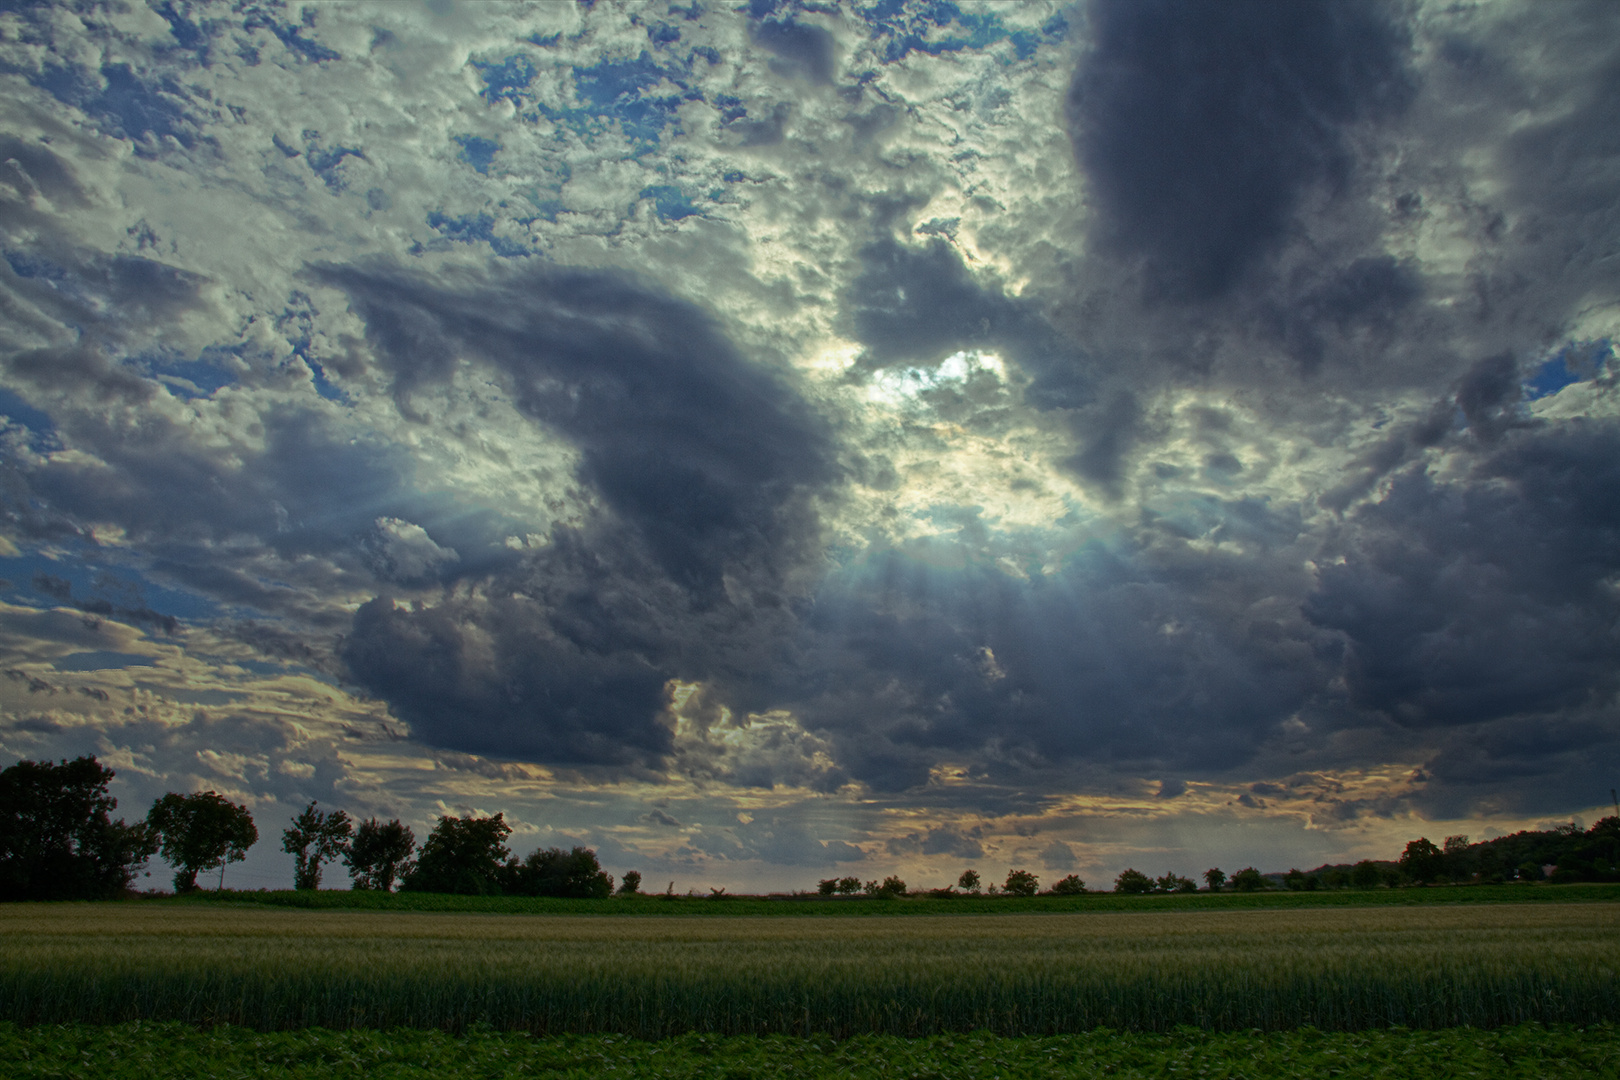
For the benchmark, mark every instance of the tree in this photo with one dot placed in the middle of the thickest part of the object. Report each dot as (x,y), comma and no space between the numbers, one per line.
(1133,881)
(1248,879)
(553,872)
(1422,861)
(199,832)
(57,841)
(827,886)
(1170,883)
(969,881)
(1214,878)
(462,855)
(315,837)
(848,886)
(1297,880)
(1366,874)
(379,853)
(1020,883)
(1069,886)
(631,885)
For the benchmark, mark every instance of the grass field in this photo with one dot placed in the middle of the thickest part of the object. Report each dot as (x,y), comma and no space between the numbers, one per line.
(165,1051)
(1336,969)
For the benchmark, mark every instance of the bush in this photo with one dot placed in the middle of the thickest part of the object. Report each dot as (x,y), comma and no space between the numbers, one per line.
(631,885)
(1133,881)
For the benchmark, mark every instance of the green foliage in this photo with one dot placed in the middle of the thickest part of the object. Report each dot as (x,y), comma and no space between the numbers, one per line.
(631,883)
(888,889)
(554,872)
(1248,879)
(1174,883)
(1214,877)
(315,837)
(462,855)
(145,1051)
(379,853)
(848,886)
(969,881)
(1133,882)
(1366,874)
(57,840)
(1020,883)
(200,831)
(1296,880)
(1069,886)
(1421,861)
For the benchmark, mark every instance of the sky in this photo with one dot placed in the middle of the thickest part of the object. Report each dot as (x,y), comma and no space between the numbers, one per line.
(815,438)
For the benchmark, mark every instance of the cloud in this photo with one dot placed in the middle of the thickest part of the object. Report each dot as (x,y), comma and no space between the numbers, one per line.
(1201,127)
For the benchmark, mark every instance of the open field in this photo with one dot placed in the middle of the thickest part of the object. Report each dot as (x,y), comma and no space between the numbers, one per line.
(731,907)
(1342,969)
(165,1051)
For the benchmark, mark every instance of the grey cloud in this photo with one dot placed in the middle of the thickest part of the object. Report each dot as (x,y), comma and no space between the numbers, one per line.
(658,817)
(1058,856)
(1489,596)
(940,840)
(1201,125)
(801,50)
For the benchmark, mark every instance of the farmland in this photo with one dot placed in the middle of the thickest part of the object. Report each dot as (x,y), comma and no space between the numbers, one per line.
(139,1051)
(1024,974)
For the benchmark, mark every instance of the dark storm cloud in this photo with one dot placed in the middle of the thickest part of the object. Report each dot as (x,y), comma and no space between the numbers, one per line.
(1200,125)
(1122,661)
(800,50)
(1487,597)
(706,462)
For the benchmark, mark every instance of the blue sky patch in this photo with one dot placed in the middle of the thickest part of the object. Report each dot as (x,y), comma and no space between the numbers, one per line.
(478,152)
(942,27)
(471,228)
(1576,362)
(670,203)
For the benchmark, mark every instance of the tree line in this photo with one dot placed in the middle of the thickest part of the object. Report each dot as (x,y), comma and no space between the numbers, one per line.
(58,841)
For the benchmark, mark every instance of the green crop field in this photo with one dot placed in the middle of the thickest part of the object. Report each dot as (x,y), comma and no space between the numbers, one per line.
(1334,969)
(178,1052)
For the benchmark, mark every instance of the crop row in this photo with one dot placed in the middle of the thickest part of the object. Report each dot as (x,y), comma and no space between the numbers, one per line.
(652,978)
(141,1051)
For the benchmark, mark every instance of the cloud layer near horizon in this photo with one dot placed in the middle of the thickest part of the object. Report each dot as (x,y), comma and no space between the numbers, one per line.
(813,435)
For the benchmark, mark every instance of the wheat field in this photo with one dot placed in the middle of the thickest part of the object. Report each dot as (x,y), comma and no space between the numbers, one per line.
(1332,969)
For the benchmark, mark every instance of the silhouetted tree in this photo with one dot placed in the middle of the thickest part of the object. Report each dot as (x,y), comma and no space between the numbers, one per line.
(1422,861)
(969,881)
(379,853)
(848,886)
(1069,886)
(1248,879)
(315,837)
(827,886)
(554,872)
(631,883)
(462,855)
(199,832)
(1366,874)
(1020,883)
(57,841)
(1297,880)
(1214,878)
(1133,881)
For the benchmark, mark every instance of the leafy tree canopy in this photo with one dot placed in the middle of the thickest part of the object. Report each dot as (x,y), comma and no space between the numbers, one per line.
(1133,881)
(57,839)
(1069,886)
(199,832)
(462,855)
(315,837)
(554,872)
(379,853)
